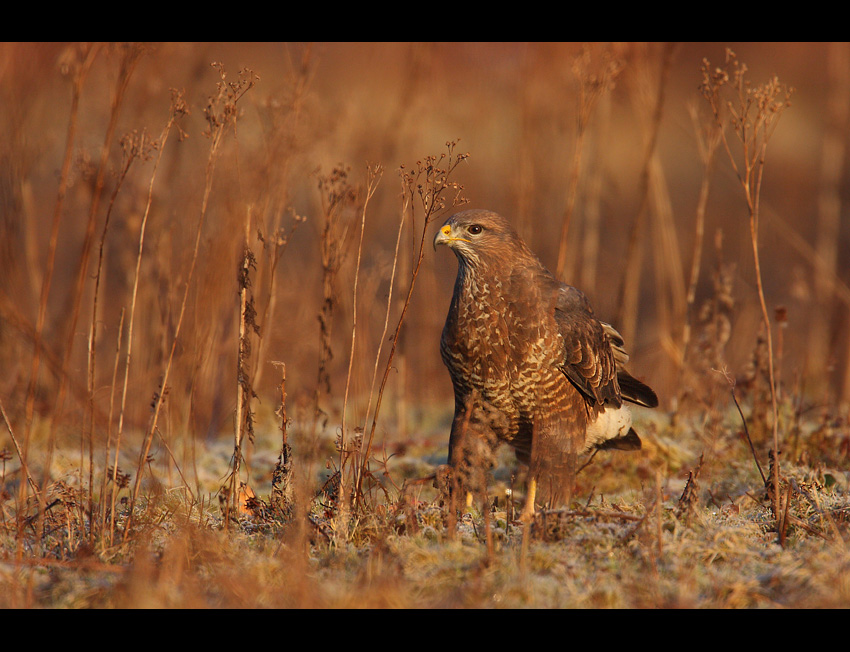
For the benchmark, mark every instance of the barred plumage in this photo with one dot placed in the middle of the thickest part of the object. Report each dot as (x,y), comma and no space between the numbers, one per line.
(521,344)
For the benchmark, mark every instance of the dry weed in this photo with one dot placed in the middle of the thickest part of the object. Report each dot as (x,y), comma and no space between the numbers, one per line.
(150,460)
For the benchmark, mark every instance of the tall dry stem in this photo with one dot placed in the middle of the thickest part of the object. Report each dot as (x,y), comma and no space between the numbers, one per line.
(708,140)
(630,281)
(339,197)
(134,145)
(130,56)
(829,212)
(76,61)
(244,388)
(178,109)
(107,476)
(73,300)
(281,498)
(405,207)
(592,235)
(221,112)
(594,80)
(429,182)
(373,178)
(282,138)
(129,59)
(753,113)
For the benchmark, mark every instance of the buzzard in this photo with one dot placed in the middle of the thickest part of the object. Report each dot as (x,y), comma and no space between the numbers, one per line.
(530,364)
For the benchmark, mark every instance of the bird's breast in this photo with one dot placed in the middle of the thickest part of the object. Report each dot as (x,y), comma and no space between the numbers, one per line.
(499,346)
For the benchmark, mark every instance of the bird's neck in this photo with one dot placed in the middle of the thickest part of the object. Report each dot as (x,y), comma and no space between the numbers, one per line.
(498,274)
(471,278)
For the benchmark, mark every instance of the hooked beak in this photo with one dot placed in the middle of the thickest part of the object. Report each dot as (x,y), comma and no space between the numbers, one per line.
(444,236)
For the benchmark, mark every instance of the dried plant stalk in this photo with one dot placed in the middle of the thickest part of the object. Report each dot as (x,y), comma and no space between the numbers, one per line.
(338,198)
(630,282)
(373,179)
(178,109)
(282,494)
(220,113)
(430,182)
(708,140)
(753,113)
(244,389)
(829,210)
(77,61)
(595,79)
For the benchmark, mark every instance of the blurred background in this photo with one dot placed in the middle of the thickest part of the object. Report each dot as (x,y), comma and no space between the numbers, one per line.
(607,134)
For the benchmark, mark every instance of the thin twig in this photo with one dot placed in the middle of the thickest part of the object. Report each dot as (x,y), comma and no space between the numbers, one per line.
(429,182)
(753,113)
(374,178)
(80,66)
(21,456)
(178,108)
(746,430)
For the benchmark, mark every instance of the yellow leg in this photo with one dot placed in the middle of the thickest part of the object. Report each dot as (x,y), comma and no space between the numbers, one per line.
(527,515)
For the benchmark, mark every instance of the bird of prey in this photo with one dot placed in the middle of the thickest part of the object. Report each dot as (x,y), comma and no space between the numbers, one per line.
(530,364)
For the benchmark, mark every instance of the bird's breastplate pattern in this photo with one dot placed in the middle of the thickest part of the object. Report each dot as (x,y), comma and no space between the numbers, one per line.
(490,350)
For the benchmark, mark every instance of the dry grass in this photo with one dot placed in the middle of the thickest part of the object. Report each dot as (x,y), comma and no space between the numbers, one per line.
(222,383)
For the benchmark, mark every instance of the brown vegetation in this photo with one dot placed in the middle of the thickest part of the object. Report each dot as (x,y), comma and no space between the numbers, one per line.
(219,321)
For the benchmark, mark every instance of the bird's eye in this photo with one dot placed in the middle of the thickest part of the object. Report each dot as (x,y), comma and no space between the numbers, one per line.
(475,229)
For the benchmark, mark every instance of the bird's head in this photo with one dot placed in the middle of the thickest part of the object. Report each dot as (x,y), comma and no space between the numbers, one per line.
(477,236)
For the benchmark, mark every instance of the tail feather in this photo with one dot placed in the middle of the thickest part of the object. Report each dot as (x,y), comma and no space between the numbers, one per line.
(634,391)
(628,442)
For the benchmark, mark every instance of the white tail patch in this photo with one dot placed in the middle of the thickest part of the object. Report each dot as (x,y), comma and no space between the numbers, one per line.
(610,424)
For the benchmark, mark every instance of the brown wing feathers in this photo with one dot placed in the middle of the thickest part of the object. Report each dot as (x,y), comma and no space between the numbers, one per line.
(595,355)
(631,388)
(589,363)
